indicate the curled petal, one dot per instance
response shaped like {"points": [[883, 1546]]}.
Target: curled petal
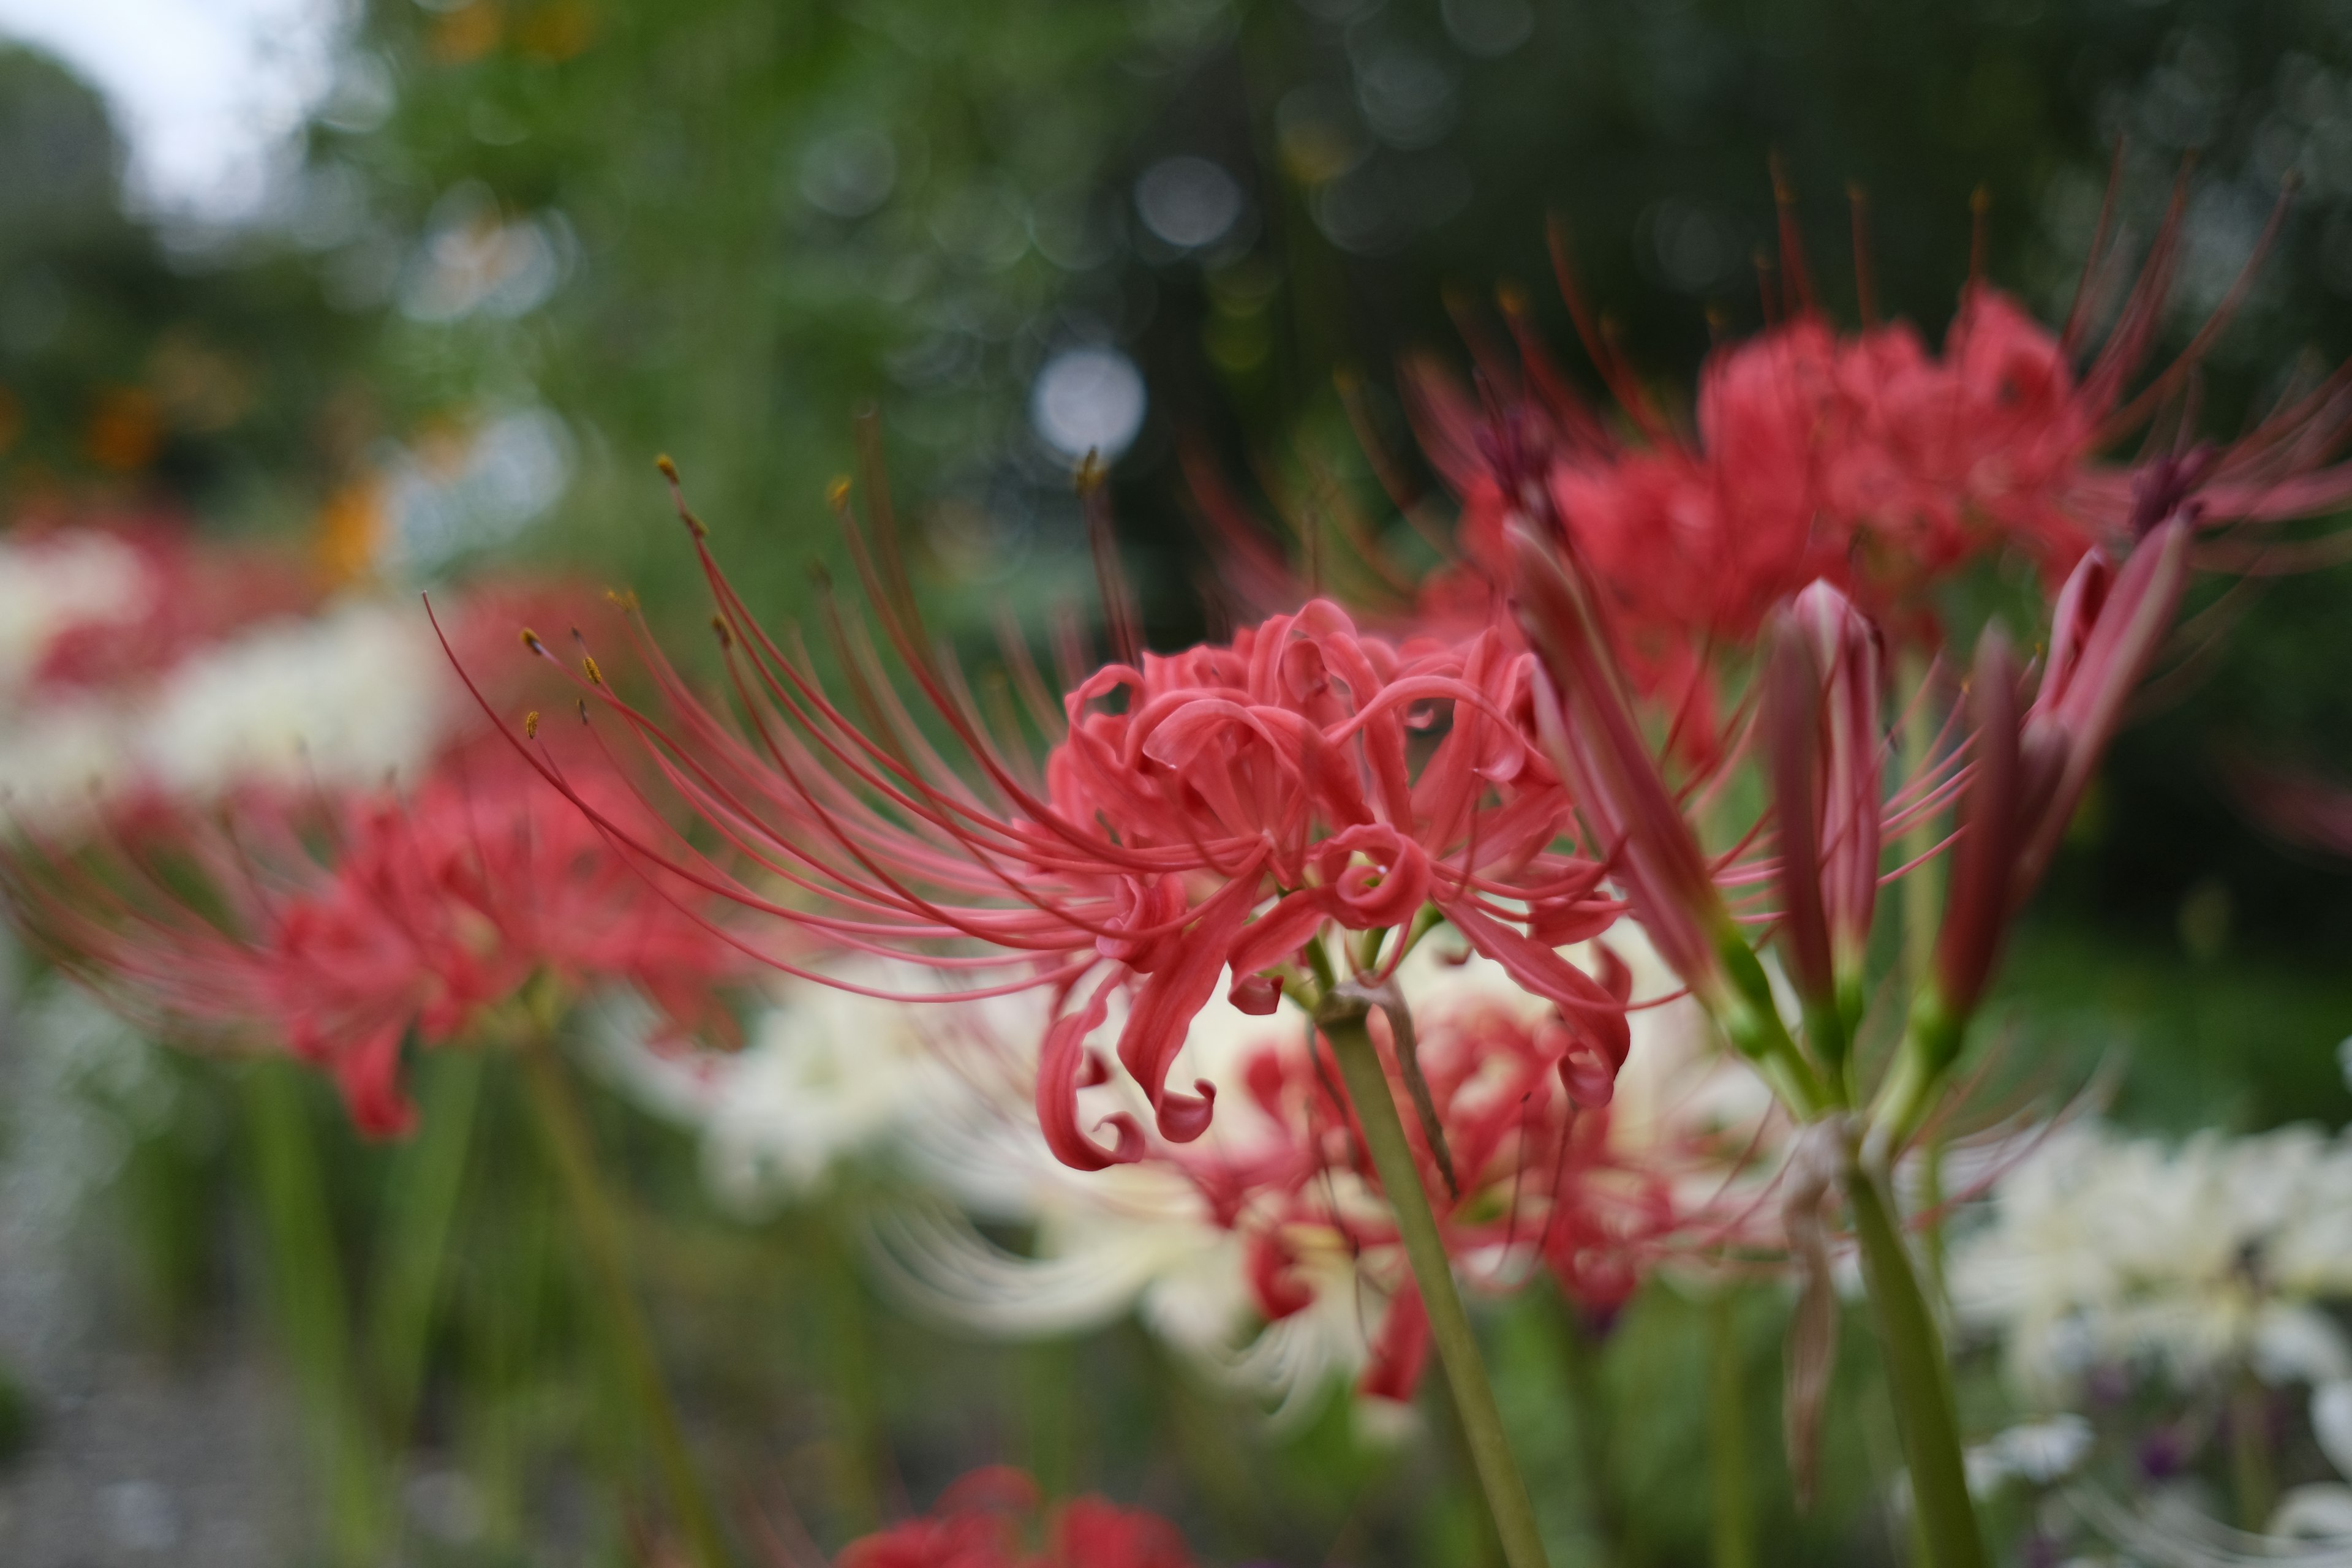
{"points": [[1146, 907], [1543, 971], [1163, 1013], [368, 1072], [1256, 994], [1394, 1370], [1277, 935], [1386, 887], [1274, 1280], [1062, 1069]]}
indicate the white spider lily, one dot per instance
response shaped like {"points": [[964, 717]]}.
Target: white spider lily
{"points": [[2102, 1249]]}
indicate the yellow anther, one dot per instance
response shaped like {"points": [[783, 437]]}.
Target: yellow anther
{"points": [[530, 725], [837, 493], [588, 664], [530, 640], [719, 624]]}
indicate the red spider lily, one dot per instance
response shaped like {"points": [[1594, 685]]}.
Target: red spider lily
{"points": [[1825, 746], [1865, 460], [2031, 769], [1522, 1172], [977, 1523], [2027, 774], [335, 929], [1588, 724], [1821, 729], [1211, 811]]}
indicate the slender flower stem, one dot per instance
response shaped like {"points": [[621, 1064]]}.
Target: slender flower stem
{"points": [[1731, 1520], [857, 1472], [1343, 1023], [1922, 886], [313, 1311], [2251, 1476], [1485, 1549], [1922, 896], [430, 1173], [1921, 1381], [597, 1222], [1581, 1350]]}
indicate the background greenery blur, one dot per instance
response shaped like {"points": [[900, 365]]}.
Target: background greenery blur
{"points": [[528, 244]]}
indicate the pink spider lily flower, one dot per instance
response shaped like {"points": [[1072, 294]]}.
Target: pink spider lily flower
{"points": [[1523, 1172], [1824, 748], [2028, 773], [1587, 721], [1820, 720], [1867, 460], [978, 1523], [1210, 813], [338, 928]]}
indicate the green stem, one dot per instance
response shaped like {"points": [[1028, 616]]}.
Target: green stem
{"points": [[2251, 1475], [1449, 1325], [1919, 1380], [1931, 1234], [597, 1224], [1732, 1521], [1486, 1545], [1582, 1356], [1921, 887], [426, 1176], [1049, 1377], [858, 1474], [313, 1314]]}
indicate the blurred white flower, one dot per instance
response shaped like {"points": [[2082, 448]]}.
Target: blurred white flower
{"points": [[2036, 1452], [54, 585], [358, 693], [2196, 1260], [827, 1076], [342, 700]]}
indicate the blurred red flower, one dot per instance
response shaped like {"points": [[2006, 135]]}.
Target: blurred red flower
{"points": [[978, 1523], [337, 925]]}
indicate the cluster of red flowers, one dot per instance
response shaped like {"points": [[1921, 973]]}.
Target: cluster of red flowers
{"points": [[340, 925], [977, 1523], [1857, 459], [1862, 458], [1518, 1171]]}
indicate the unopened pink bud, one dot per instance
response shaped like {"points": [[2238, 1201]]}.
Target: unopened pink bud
{"points": [[1984, 862]]}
